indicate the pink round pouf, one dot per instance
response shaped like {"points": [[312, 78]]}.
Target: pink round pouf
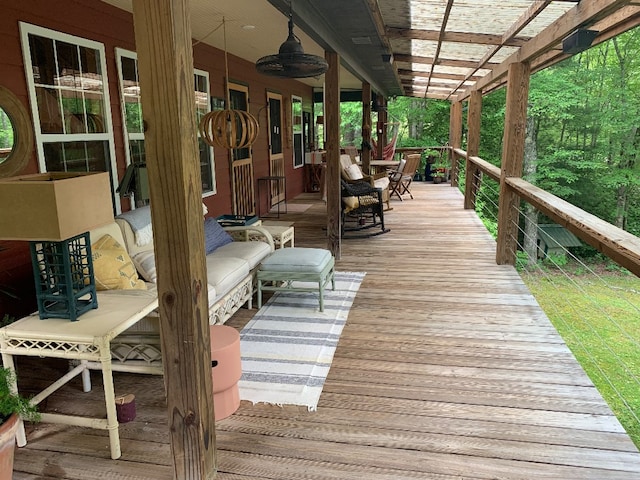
{"points": [[225, 350]]}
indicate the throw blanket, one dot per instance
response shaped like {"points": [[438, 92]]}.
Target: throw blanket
{"points": [[140, 222]]}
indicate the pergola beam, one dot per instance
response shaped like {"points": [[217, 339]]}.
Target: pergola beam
{"points": [[456, 37]]}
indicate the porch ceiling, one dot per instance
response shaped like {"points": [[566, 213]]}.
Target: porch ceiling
{"points": [[440, 48]]}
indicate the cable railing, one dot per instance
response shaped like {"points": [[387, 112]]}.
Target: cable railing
{"points": [[601, 321]]}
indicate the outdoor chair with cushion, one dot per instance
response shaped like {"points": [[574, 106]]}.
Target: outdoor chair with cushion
{"points": [[362, 209], [352, 173]]}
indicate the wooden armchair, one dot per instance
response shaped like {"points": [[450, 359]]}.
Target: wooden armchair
{"points": [[352, 173], [362, 209]]}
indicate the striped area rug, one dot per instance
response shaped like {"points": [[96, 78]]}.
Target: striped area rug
{"points": [[288, 346]]}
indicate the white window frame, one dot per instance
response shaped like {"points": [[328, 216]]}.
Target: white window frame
{"points": [[120, 53], [27, 29], [296, 99]]}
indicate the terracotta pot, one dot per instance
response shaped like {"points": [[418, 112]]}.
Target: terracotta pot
{"points": [[7, 446]]}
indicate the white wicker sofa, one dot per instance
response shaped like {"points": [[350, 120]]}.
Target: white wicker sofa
{"points": [[231, 270]]}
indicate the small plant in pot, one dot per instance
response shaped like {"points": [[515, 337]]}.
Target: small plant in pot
{"points": [[439, 176], [12, 406]]}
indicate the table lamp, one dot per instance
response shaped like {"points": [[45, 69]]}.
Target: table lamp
{"points": [[54, 212]]}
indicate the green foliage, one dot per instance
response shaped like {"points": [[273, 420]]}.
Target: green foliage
{"points": [[6, 131], [7, 320], [11, 403], [554, 260], [522, 261], [586, 112], [423, 122]]}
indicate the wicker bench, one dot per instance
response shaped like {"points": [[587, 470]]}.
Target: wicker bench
{"points": [[288, 265]]}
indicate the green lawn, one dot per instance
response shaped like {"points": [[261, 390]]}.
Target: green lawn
{"points": [[599, 319]]}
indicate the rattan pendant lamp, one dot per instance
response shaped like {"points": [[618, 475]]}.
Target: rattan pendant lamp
{"points": [[291, 61], [229, 128]]}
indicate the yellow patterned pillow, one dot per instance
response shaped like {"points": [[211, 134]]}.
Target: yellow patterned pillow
{"points": [[112, 266]]}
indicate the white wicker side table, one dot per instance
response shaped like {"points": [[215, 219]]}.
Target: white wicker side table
{"points": [[87, 340], [281, 234]]}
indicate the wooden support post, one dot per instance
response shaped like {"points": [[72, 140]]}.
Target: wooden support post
{"points": [[365, 155], [472, 182], [455, 139], [163, 42], [332, 147], [512, 160], [381, 127]]}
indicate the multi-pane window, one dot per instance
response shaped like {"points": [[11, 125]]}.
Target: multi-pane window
{"points": [[297, 132], [69, 96], [133, 123]]}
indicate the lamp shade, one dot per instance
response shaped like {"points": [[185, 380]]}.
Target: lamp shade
{"points": [[54, 206]]}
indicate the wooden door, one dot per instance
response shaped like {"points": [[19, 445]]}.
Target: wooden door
{"points": [[241, 160], [276, 157]]}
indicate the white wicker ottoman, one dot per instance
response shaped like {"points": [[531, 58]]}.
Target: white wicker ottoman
{"points": [[287, 265]]}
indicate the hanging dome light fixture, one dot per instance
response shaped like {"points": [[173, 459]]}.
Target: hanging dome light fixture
{"points": [[291, 61], [228, 128]]}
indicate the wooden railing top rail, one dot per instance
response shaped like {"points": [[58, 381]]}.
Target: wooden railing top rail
{"points": [[621, 246], [483, 165], [486, 167]]}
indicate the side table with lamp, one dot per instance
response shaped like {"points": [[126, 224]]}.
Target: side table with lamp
{"points": [[54, 212]]}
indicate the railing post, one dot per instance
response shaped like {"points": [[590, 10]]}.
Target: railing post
{"points": [[455, 139], [472, 182], [512, 161]]}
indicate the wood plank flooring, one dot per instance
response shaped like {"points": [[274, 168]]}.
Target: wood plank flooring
{"points": [[447, 369]]}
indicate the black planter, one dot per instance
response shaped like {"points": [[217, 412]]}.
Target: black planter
{"points": [[427, 173]]}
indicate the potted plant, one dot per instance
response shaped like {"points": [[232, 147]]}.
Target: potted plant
{"points": [[439, 176], [12, 407]]}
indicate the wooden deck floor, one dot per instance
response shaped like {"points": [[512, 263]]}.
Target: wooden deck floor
{"points": [[447, 369]]}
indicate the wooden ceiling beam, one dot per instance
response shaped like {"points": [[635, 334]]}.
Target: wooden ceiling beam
{"points": [[447, 62], [423, 83], [449, 76], [422, 93], [456, 37]]}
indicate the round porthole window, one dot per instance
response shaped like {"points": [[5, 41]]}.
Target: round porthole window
{"points": [[16, 134]]}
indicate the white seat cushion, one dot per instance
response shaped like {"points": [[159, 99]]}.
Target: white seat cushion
{"points": [[224, 273], [213, 295], [310, 260], [353, 172], [381, 183], [251, 252]]}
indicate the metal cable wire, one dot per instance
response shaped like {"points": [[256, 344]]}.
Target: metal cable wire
{"points": [[578, 341]]}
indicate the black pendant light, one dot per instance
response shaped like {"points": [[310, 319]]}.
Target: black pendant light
{"points": [[291, 61]]}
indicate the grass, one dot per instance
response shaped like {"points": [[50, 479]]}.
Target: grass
{"points": [[598, 317]]}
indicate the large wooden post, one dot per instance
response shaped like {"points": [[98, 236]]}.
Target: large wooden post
{"points": [[332, 147], [163, 43], [455, 139], [365, 155], [472, 182], [512, 160], [381, 127]]}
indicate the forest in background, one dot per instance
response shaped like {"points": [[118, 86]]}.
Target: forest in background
{"points": [[582, 131]]}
